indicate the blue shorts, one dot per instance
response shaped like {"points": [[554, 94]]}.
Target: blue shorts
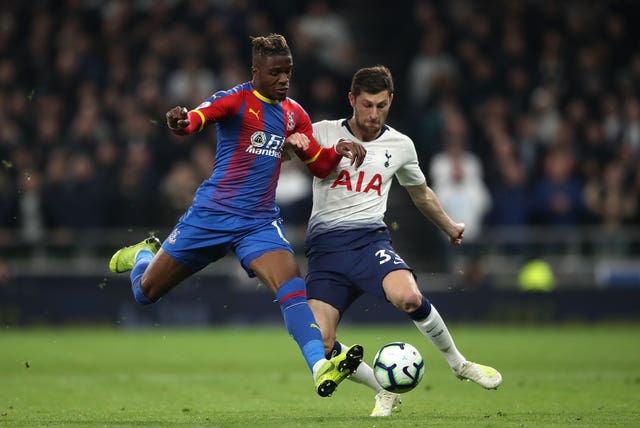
{"points": [[249, 238], [340, 277]]}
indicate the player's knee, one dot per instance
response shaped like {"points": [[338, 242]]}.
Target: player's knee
{"points": [[408, 301], [146, 293]]}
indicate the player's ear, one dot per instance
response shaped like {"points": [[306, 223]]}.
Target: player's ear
{"points": [[352, 99]]}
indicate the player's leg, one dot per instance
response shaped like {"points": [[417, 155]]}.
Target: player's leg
{"points": [[266, 253], [279, 271], [402, 291], [153, 271], [386, 402], [328, 318]]}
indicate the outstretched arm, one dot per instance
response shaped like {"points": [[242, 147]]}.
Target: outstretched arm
{"points": [[427, 202], [183, 122], [321, 161]]}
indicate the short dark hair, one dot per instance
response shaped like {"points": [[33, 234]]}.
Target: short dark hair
{"points": [[273, 44], [372, 80]]}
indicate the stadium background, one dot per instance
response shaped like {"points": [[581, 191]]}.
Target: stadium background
{"points": [[525, 115]]}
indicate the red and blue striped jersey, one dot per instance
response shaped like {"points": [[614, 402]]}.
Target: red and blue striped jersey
{"points": [[251, 130]]}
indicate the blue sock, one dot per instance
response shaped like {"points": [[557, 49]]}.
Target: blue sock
{"points": [[422, 312], [298, 318], [143, 258]]}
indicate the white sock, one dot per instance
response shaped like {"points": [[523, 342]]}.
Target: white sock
{"points": [[364, 375], [435, 329], [316, 366]]}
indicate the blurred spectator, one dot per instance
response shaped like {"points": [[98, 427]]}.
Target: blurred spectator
{"points": [[189, 81], [538, 96], [546, 115], [455, 134], [293, 194], [30, 209], [85, 204], [432, 70], [330, 36], [327, 100], [465, 199], [55, 193], [510, 196], [177, 189], [631, 127], [458, 181], [557, 194], [610, 201], [138, 182]]}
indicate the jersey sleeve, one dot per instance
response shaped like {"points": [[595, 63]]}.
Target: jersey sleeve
{"points": [[410, 174], [218, 107], [321, 161]]}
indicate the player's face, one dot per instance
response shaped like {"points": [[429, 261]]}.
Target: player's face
{"points": [[271, 75], [370, 113]]}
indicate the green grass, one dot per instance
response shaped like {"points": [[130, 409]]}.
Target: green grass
{"points": [[555, 376]]}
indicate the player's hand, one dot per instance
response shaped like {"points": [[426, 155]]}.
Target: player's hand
{"points": [[298, 140], [456, 235], [177, 118], [354, 151]]}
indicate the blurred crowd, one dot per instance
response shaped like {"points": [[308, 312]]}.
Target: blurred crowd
{"points": [[522, 112]]}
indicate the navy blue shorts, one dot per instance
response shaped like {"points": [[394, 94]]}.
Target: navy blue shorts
{"points": [[249, 238], [340, 277]]}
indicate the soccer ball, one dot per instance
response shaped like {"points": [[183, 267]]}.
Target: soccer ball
{"points": [[398, 367]]}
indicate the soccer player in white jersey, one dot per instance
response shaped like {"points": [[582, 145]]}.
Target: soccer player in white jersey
{"points": [[348, 244]]}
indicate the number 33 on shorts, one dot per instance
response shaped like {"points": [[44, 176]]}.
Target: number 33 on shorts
{"points": [[386, 256]]}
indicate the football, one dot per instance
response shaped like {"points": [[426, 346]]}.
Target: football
{"points": [[398, 367]]}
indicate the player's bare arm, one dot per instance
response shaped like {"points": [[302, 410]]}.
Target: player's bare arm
{"points": [[352, 150], [427, 202], [177, 118]]}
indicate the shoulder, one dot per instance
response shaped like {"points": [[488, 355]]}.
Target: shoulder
{"points": [[291, 105], [393, 134], [328, 125], [225, 96]]}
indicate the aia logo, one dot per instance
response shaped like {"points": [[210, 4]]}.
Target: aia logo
{"points": [[361, 183]]}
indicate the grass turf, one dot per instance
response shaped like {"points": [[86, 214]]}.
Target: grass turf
{"points": [[555, 376]]}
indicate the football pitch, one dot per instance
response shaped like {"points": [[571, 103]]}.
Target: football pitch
{"points": [[577, 375]]}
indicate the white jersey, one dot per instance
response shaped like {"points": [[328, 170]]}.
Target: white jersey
{"points": [[348, 199]]}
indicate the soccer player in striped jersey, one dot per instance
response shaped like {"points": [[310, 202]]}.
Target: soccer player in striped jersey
{"points": [[235, 209], [348, 245]]}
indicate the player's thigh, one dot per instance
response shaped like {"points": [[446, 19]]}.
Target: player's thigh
{"points": [[376, 262], [275, 267], [195, 247], [265, 252], [163, 274], [329, 279]]}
